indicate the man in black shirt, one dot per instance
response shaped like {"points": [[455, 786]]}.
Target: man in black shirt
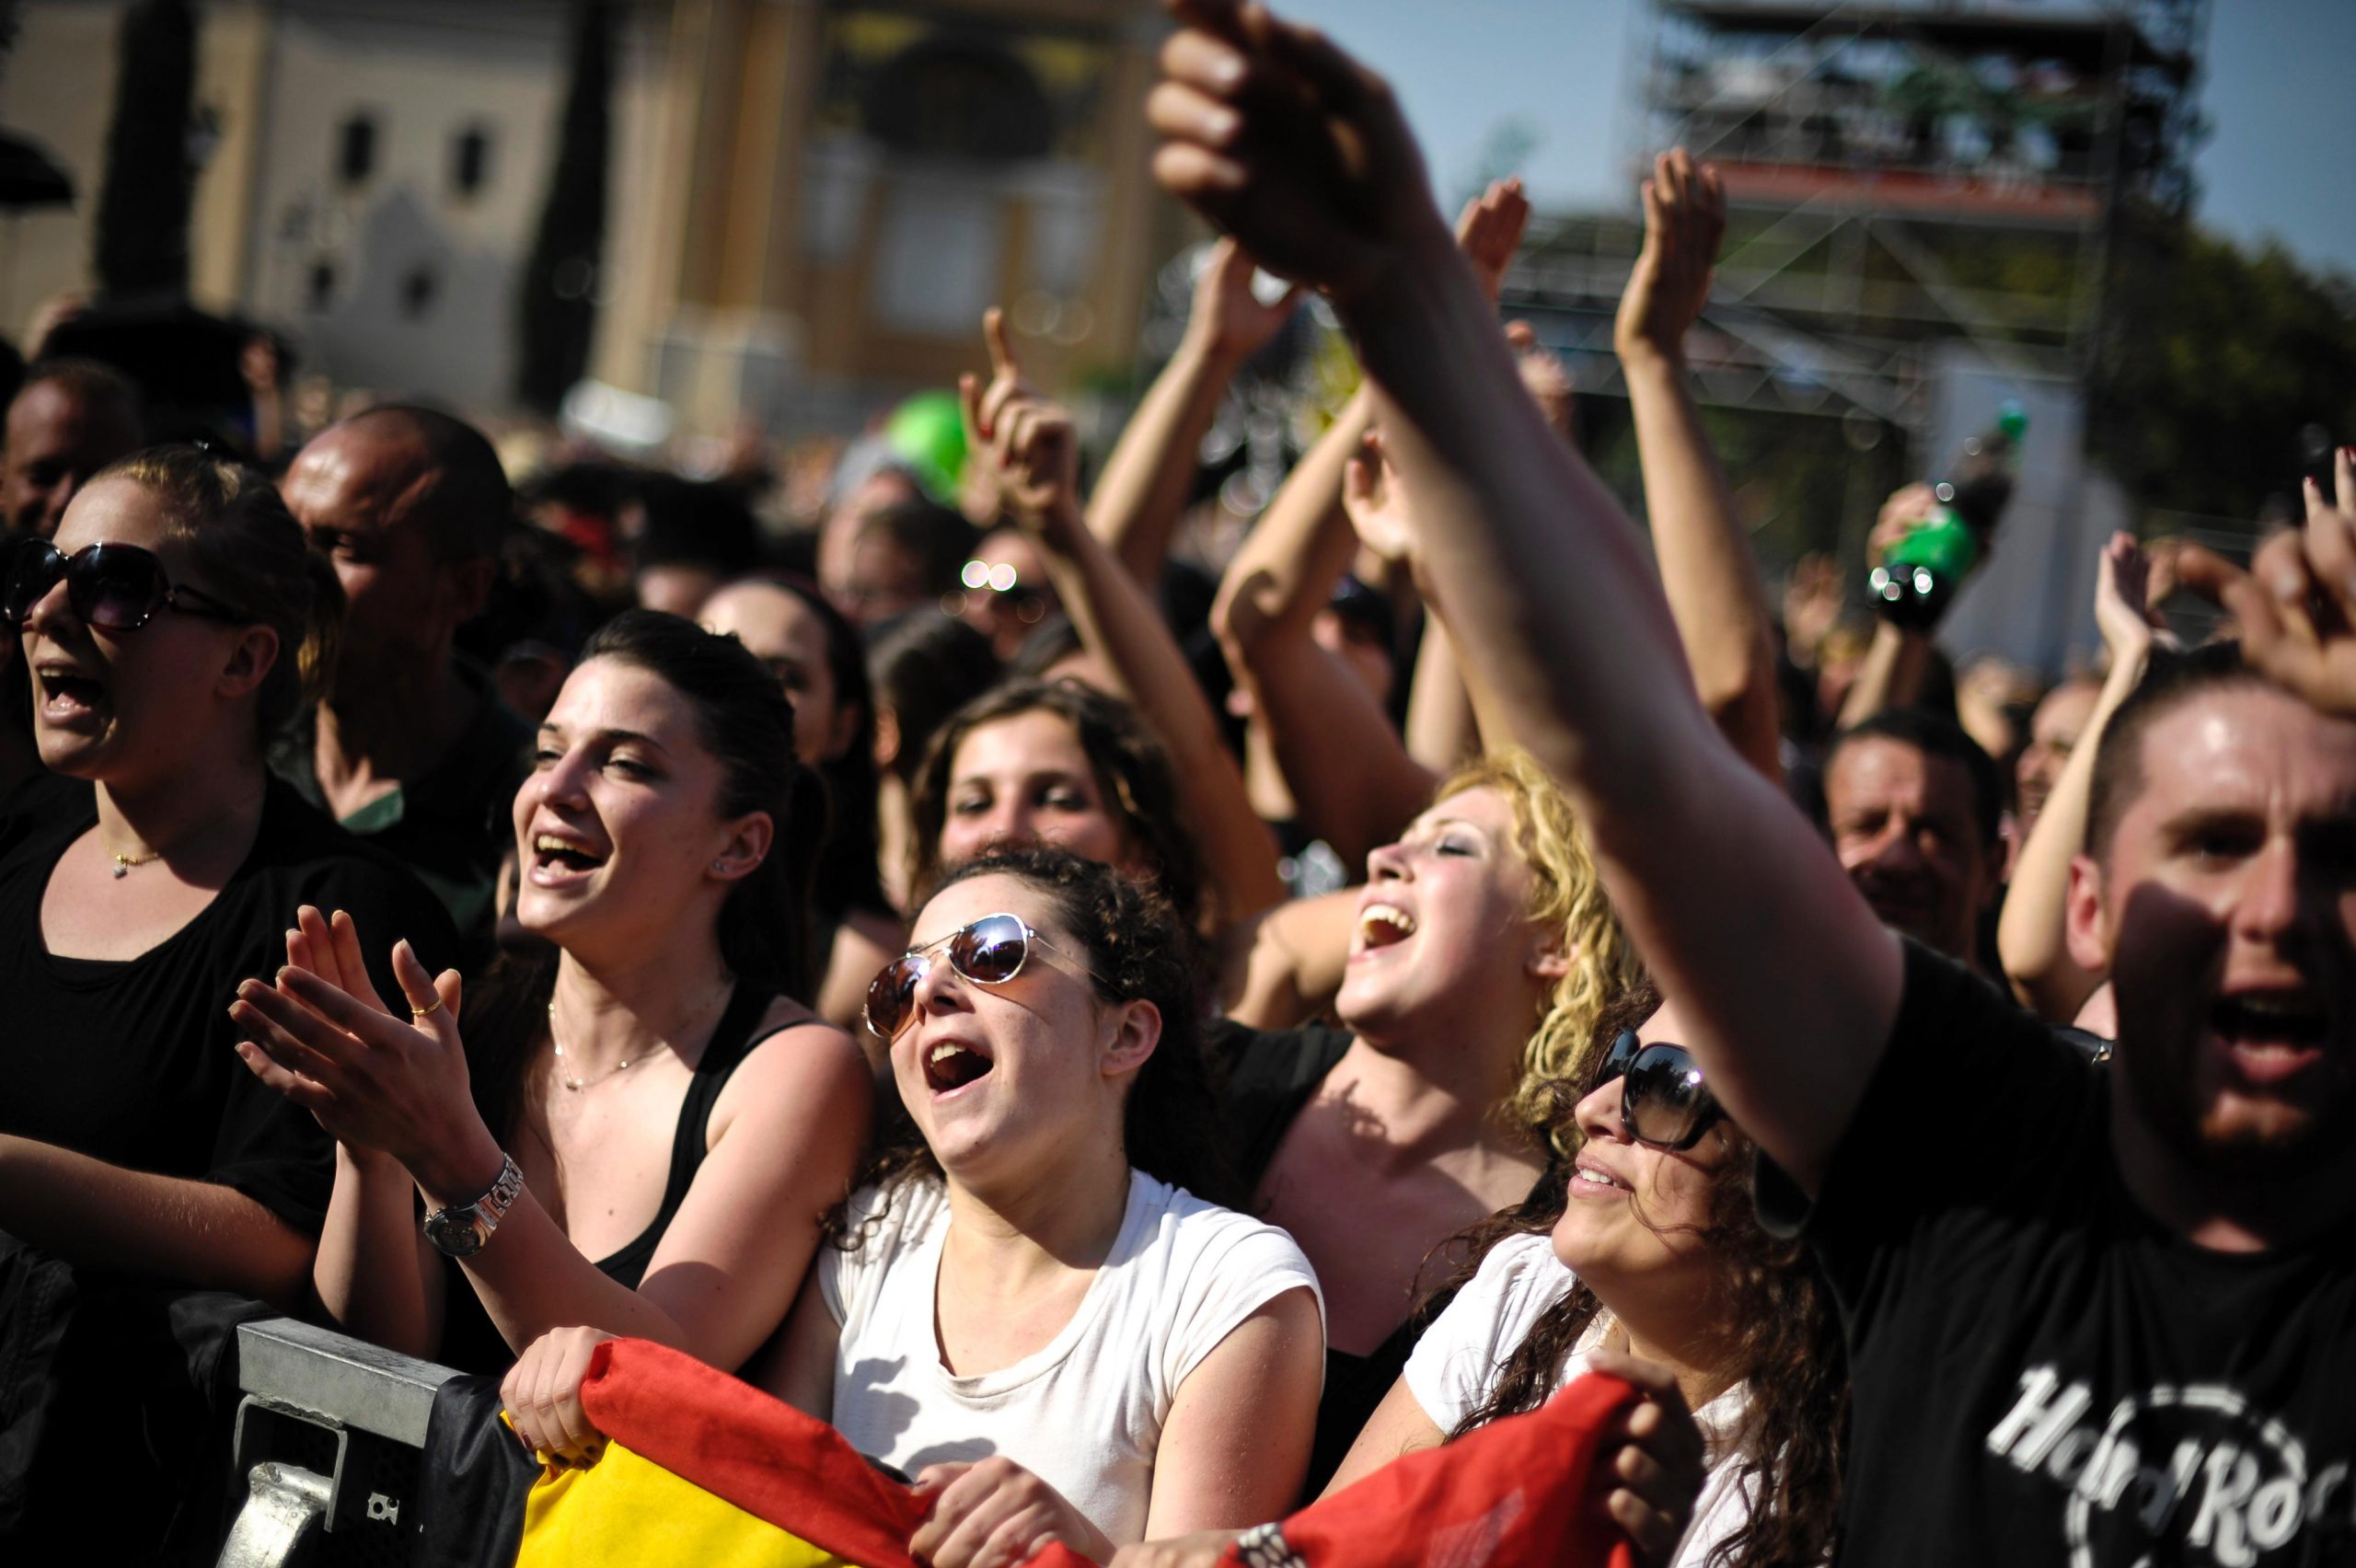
{"points": [[412, 749], [2099, 1314]]}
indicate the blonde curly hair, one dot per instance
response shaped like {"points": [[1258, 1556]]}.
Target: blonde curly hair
{"points": [[1566, 894]]}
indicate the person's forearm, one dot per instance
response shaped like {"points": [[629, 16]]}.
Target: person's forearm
{"points": [[1142, 491], [2032, 936], [1891, 675], [1116, 618], [369, 1274], [91, 1213], [1442, 731], [1727, 891], [1707, 571], [1286, 570]]}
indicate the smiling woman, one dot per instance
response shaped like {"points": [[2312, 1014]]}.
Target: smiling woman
{"points": [[655, 1128], [1024, 1307]]}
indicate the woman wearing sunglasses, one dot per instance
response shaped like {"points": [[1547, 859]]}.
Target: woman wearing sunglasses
{"points": [[1650, 1247], [1025, 1310], [168, 632], [642, 1135]]}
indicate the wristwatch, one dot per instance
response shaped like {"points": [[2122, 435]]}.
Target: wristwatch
{"points": [[461, 1230]]}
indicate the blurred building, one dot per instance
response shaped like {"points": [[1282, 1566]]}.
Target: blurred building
{"points": [[810, 200]]}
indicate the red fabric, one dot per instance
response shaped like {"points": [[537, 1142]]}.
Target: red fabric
{"points": [[1513, 1494], [757, 1452]]}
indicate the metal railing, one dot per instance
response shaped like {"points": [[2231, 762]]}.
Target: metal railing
{"points": [[330, 1436]]}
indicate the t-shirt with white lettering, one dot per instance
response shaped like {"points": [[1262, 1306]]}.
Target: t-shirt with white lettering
{"points": [[1084, 1413], [2044, 1375], [1455, 1367]]}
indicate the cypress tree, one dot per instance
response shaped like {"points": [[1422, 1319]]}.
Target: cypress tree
{"points": [[142, 229], [556, 312]]}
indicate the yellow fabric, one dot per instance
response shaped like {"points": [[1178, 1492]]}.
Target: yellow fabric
{"points": [[627, 1509]]}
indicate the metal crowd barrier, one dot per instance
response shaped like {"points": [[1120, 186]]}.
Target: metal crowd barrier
{"points": [[331, 1436]]}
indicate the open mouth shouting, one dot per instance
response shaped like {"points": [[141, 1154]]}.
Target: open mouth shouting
{"points": [[2273, 1034], [1592, 1179], [1382, 925], [561, 859], [69, 694], [952, 1065]]}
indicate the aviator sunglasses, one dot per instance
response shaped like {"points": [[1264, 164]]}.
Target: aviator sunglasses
{"points": [[111, 587], [1662, 1102], [989, 951]]}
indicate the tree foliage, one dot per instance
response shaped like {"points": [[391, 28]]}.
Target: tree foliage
{"points": [[557, 312], [142, 229], [2214, 359]]}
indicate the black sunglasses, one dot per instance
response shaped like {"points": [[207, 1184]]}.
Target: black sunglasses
{"points": [[112, 587], [1663, 1103], [989, 951]]}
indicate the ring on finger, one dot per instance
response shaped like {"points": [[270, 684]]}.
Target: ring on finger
{"points": [[428, 1010]]}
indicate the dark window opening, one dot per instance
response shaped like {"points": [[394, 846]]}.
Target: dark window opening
{"points": [[322, 285], [470, 161], [418, 291], [356, 149]]}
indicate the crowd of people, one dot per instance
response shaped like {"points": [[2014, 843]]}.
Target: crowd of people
{"points": [[888, 960]]}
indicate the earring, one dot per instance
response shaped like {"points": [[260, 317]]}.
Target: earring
{"points": [[720, 865]]}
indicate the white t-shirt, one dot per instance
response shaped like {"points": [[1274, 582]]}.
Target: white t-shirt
{"points": [[1083, 1413], [1456, 1364]]}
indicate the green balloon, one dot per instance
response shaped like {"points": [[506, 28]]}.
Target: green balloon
{"points": [[928, 433]]}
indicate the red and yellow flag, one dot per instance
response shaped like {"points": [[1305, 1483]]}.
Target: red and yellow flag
{"points": [[701, 1471]]}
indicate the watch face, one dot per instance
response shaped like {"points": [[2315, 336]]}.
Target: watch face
{"points": [[460, 1233]]}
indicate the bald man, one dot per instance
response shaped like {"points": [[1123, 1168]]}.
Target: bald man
{"points": [[69, 420], [411, 749]]}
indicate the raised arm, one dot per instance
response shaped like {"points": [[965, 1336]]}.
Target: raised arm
{"points": [[1350, 772], [1899, 657], [2032, 938], [1033, 451], [1706, 567], [1791, 983], [1142, 489]]}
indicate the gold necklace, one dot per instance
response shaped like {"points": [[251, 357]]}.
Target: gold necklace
{"points": [[577, 1085], [123, 863]]}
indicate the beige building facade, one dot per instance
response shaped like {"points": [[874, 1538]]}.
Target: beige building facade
{"points": [[810, 202]]}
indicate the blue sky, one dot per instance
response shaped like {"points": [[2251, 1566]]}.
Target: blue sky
{"points": [[2277, 94]]}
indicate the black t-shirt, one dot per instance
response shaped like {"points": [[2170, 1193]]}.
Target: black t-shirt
{"points": [[2044, 1374], [133, 1062], [1271, 1075]]}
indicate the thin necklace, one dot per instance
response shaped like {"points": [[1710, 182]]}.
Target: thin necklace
{"points": [[124, 864], [577, 1085]]}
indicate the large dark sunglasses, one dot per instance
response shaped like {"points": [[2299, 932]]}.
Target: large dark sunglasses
{"points": [[1663, 1103], [990, 952], [112, 587]]}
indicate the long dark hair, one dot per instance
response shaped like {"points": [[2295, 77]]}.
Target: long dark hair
{"points": [[1134, 778], [1787, 1344], [847, 877], [1136, 950], [744, 720]]}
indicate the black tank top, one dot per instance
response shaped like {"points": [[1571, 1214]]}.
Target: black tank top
{"points": [[471, 1342]]}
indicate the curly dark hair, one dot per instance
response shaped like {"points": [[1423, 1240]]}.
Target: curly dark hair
{"points": [[1136, 951], [1132, 776], [1788, 1345]]}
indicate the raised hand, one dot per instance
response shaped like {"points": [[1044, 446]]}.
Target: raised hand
{"points": [[541, 1394], [1685, 220], [1230, 314], [2124, 612], [1548, 378], [1290, 146], [1377, 505], [2294, 609], [1908, 508], [1489, 230], [1025, 446], [1005, 385]]}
